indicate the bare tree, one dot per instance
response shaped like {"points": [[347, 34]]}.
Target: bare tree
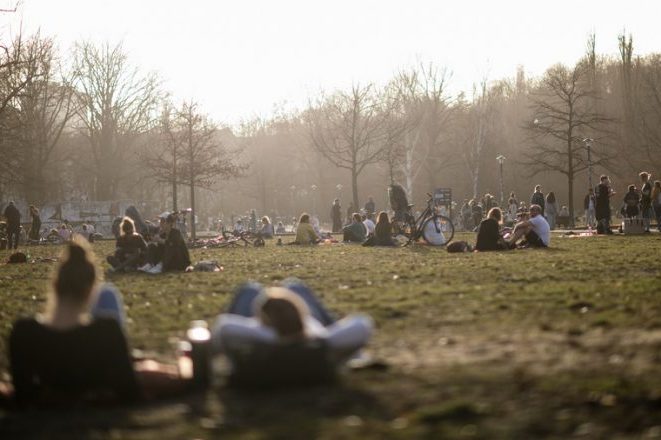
{"points": [[203, 157], [44, 108], [479, 123], [649, 102], [117, 104], [348, 130], [564, 115], [162, 159]]}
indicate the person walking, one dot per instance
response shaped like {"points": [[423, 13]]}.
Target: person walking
{"points": [[13, 217]]}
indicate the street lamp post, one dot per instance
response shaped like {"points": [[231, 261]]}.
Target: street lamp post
{"points": [[588, 146], [293, 190], [314, 199], [339, 191], [501, 161]]}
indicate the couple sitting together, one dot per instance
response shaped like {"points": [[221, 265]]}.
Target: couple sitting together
{"points": [[78, 349], [531, 231], [166, 251]]}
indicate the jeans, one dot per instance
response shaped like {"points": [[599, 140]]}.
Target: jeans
{"points": [[12, 237], [108, 304], [589, 217], [244, 297]]}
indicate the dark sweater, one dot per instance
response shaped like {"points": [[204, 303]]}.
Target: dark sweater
{"points": [[58, 366], [488, 236], [175, 254], [131, 244]]}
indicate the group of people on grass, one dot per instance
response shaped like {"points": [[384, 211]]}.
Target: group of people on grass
{"points": [[77, 350]]}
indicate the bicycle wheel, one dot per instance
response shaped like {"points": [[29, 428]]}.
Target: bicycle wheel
{"points": [[438, 230]]}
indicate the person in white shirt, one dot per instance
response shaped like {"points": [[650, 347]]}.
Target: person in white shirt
{"points": [[535, 230], [369, 224], [261, 317], [433, 233]]}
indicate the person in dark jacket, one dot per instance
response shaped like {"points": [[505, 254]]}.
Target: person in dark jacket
{"points": [[168, 252], [336, 215], [35, 228], [488, 233], [77, 350], [646, 210], [382, 232], [13, 217], [603, 209], [538, 198], [131, 249], [631, 202]]}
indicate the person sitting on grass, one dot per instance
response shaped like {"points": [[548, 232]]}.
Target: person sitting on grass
{"points": [[488, 233], [77, 350], [382, 232], [167, 252], [266, 230], [305, 233], [535, 230], [356, 232], [280, 229], [368, 221], [64, 232], [130, 249], [259, 320]]}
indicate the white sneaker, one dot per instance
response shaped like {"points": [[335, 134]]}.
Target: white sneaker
{"points": [[156, 269], [145, 268]]}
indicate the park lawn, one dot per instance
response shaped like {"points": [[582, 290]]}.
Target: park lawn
{"points": [[524, 344]]}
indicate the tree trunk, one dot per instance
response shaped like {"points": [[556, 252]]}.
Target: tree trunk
{"points": [[174, 194], [192, 206], [354, 188], [570, 179]]}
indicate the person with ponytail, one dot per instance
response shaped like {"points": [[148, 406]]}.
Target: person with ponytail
{"points": [[77, 350]]}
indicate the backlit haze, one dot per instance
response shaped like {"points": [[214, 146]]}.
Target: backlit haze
{"points": [[245, 58]]}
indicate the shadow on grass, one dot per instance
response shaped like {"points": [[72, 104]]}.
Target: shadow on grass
{"points": [[298, 412]]}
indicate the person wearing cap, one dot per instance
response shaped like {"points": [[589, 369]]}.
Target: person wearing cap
{"points": [[13, 217], [535, 230]]}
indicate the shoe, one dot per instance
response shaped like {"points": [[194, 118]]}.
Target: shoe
{"points": [[156, 269], [145, 268]]}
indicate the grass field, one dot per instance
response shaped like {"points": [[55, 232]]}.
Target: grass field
{"points": [[526, 344]]}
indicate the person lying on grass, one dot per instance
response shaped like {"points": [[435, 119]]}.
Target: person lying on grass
{"points": [[259, 318], [77, 350], [305, 233], [130, 250], [534, 231], [488, 233]]}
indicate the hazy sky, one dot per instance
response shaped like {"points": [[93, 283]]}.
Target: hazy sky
{"points": [[241, 58]]}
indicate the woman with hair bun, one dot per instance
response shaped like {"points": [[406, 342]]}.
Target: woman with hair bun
{"points": [[77, 350]]}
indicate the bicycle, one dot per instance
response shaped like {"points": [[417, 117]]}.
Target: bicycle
{"points": [[434, 228]]}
